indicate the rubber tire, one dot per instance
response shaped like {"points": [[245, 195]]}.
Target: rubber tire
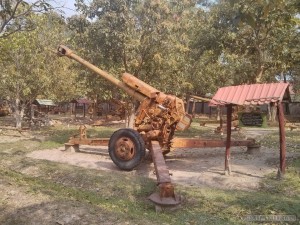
{"points": [[138, 142]]}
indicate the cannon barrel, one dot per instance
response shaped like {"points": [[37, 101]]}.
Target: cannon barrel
{"points": [[65, 51], [142, 87]]}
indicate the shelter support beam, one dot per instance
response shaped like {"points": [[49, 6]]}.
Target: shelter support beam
{"points": [[228, 140], [282, 140]]}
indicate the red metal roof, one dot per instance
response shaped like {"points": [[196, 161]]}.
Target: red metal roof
{"points": [[253, 94]]}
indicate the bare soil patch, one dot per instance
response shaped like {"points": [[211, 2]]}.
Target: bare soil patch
{"points": [[191, 167]]}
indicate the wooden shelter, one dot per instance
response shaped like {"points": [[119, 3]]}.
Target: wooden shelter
{"points": [[82, 102], [254, 94], [44, 104]]}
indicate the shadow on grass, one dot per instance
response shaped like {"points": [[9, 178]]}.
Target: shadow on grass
{"points": [[63, 212], [85, 196], [264, 203]]}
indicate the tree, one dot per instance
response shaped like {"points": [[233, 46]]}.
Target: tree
{"points": [[31, 69], [15, 15], [144, 38], [259, 34]]}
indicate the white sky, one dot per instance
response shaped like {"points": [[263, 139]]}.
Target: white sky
{"points": [[68, 6], [65, 5]]}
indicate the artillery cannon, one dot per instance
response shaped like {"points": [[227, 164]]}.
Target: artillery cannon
{"points": [[157, 118]]}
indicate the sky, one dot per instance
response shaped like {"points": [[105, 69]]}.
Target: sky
{"points": [[68, 6]]}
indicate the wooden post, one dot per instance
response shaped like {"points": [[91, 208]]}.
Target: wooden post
{"points": [[202, 107], [193, 109], [187, 103], [228, 140], [83, 110], [281, 170]]}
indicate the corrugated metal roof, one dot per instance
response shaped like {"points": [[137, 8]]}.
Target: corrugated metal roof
{"points": [[47, 102], [253, 94]]}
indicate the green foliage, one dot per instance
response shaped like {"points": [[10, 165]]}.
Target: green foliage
{"points": [[15, 15], [171, 45], [31, 69], [259, 34], [178, 47], [145, 38]]}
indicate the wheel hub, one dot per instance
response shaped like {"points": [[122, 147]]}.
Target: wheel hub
{"points": [[125, 149]]}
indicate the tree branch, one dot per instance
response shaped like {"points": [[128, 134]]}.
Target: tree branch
{"points": [[11, 16]]}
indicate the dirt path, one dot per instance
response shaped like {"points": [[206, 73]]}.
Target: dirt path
{"points": [[192, 167], [35, 191]]}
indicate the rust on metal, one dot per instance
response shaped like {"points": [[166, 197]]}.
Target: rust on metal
{"points": [[206, 143], [157, 118], [161, 170], [89, 141], [82, 130], [125, 149], [166, 195], [83, 140], [140, 86], [158, 115], [65, 51]]}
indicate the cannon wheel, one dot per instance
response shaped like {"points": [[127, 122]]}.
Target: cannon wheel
{"points": [[126, 148]]}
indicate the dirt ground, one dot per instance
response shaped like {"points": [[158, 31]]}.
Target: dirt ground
{"points": [[192, 167], [23, 201]]}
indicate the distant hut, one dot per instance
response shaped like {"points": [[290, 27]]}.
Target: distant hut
{"points": [[44, 105], [81, 104]]}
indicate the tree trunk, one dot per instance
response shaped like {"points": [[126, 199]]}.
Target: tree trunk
{"points": [[193, 109], [95, 111], [130, 112], [131, 118], [18, 113], [273, 112], [269, 112], [259, 74], [218, 113], [187, 103], [261, 66], [31, 111]]}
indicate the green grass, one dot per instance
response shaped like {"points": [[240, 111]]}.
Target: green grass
{"points": [[123, 196], [57, 136], [290, 185], [292, 140]]}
